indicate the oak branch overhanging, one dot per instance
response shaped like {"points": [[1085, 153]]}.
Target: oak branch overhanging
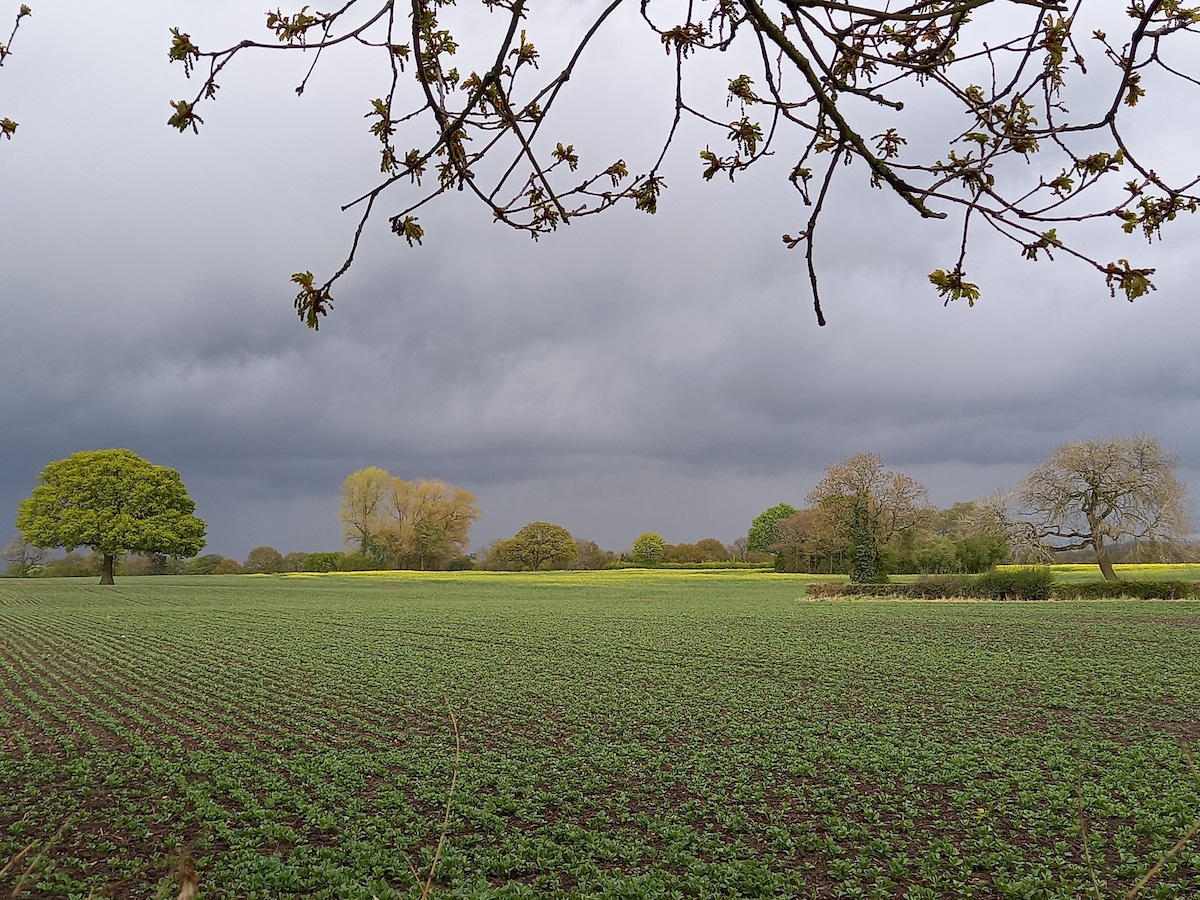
{"points": [[819, 65]]}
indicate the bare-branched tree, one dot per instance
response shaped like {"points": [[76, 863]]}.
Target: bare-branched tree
{"points": [[22, 558], [1093, 494], [866, 506], [832, 84]]}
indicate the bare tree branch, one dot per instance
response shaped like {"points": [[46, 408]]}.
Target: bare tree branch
{"points": [[823, 62]]}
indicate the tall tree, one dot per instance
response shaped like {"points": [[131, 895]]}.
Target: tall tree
{"points": [[540, 545], [361, 511], [978, 533], [649, 549], [589, 555], [869, 506], [1092, 494], [114, 502], [263, 561], [405, 524], [983, 83], [22, 558], [426, 523], [794, 542], [762, 537]]}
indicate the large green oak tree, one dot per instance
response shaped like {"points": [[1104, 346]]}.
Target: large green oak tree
{"points": [[114, 502]]}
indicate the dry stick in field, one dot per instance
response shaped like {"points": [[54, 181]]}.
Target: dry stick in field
{"points": [[189, 884], [437, 853], [33, 863], [16, 859], [183, 863], [1167, 856], [1178, 845], [1083, 836]]}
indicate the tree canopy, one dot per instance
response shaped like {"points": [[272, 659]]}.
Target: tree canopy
{"points": [[649, 549], [406, 524], [539, 545], [761, 536], [867, 507], [114, 502], [264, 560], [941, 105], [1094, 493]]}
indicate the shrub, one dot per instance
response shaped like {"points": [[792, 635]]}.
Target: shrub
{"points": [[461, 564], [355, 562], [1032, 583], [946, 586], [1015, 583], [204, 565], [228, 566], [321, 562], [853, 589]]}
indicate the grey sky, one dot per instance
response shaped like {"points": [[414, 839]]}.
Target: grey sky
{"points": [[626, 374]]}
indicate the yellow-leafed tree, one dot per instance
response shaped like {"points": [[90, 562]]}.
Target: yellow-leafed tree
{"points": [[406, 524]]}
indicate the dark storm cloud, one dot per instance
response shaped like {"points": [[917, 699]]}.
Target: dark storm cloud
{"points": [[628, 373]]}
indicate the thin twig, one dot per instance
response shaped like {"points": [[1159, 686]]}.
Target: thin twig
{"points": [[437, 853], [33, 863], [1164, 859]]}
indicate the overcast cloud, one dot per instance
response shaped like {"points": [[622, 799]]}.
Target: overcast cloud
{"points": [[626, 374]]}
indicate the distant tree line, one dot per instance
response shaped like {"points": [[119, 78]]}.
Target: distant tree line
{"points": [[22, 560], [1108, 499], [1112, 500]]}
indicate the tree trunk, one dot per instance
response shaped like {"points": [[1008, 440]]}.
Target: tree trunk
{"points": [[106, 571], [1106, 567]]}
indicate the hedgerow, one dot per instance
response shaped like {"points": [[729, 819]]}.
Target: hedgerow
{"points": [[1032, 583], [1140, 590]]}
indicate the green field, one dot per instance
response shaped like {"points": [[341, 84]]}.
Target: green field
{"points": [[623, 735]]}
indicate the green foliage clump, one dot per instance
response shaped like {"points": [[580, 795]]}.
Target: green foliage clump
{"points": [[357, 562], [944, 587], [322, 562], [856, 589], [73, 565], [114, 502], [866, 559], [203, 565], [229, 566], [649, 549], [264, 561], [761, 536], [537, 546], [1016, 583], [1024, 583]]}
